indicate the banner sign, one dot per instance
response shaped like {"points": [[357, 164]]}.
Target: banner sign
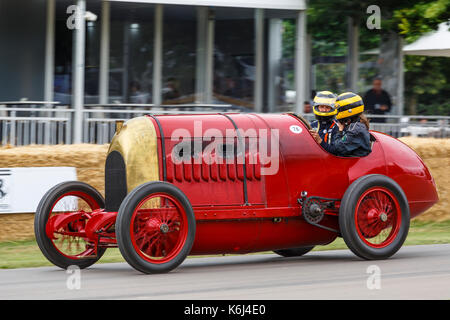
{"points": [[21, 189]]}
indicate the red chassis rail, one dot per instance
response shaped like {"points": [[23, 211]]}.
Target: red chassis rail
{"points": [[97, 227]]}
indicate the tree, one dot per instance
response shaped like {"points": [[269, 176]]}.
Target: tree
{"points": [[426, 78], [327, 20], [421, 18]]}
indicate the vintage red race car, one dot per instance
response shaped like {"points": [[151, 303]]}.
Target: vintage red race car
{"points": [[179, 185]]}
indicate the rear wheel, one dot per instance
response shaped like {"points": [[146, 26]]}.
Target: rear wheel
{"points": [[374, 217], [60, 222], [295, 252], [155, 227]]}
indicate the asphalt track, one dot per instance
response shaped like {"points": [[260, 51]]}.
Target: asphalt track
{"points": [[415, 272]]}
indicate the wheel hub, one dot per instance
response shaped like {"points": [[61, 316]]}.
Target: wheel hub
{"points": [[313, 212], [374, 215], [164, 228]]}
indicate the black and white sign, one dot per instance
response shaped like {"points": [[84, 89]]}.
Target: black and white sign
{"points": [[21, 189], [5, 179]]}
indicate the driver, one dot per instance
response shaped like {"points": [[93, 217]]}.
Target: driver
{"points": [[324, 111]]}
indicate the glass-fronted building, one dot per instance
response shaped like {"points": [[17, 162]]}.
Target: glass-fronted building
{"points": [[80, 52]]}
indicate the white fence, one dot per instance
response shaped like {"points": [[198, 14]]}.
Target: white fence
{"points": [[41, 123]]}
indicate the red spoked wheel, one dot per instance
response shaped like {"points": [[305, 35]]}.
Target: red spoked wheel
{"points": [[60, 223], [374, 217], [378, 217], [155, 227], [159, 234]]}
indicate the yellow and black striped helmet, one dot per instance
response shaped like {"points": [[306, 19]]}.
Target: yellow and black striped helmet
{"points": [[324, 98], [349, 104]]}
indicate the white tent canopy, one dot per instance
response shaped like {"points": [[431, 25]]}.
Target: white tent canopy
{"points": [[436, 43]]}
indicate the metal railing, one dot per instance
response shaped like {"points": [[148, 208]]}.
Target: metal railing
{"points": [[41, 123], [401, 126], [417, 126], [24, 123], [99, 120], [34, 122]]}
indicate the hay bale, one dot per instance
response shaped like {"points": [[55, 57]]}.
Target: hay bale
{"points": [[428, 148], [436, 155], [14, 227], [89, 161]]}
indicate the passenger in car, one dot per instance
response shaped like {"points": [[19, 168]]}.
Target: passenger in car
{"points": [[352, 138], [325, 111]]}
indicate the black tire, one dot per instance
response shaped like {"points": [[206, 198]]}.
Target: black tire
{"points": [[295, 252], [123, 226], [42, 215], [352, 233]]}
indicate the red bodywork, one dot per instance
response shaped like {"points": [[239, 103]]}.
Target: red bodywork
{"points": [[268, 216], [226, 224]]}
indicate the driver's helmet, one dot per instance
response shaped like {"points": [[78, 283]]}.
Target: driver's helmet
{"points": [[324, 98], [349, 106]]}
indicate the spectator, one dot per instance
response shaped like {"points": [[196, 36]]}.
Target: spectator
{"points": [[377, 101], [230, 90], [307, 107], [136, 96], [171, 91]]}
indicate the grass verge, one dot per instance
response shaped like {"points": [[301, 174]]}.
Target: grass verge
{"points": [[25, 254]]}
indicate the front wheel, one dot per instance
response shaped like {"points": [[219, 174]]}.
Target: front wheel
{"points": [[155, 227], [374, 217], [60, 222]]}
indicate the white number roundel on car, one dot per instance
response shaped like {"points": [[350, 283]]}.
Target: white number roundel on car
{"points": [[295, 129]]}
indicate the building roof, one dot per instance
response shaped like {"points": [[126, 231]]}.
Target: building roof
{"points": [[265, 4]]}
